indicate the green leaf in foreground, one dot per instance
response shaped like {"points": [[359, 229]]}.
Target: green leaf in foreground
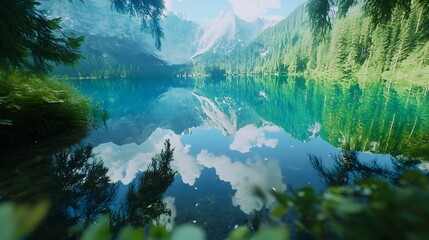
{"points": [[188, 231], [129, 233], [239, 234], [98, 231], [279, 233], [17, 221]]}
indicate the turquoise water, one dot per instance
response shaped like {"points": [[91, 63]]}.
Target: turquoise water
{"points": [[233, 134]]}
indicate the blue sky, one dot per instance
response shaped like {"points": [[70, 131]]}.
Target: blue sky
{"points": [[204, 10]]}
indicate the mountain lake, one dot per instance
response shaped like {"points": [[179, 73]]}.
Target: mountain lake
{"points": [[233, 134]]}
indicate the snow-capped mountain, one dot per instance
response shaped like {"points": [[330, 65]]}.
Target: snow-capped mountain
{"points": [[228, 32], [185, 40]]}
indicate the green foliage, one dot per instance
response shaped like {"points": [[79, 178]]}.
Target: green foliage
{"points": [[33, 108], [368, 210], [379, 11], [99, 116], [30, 40], [150, 12], [98, 231], [373, 208], [344, 6], [16, 221], [239, 233], [320, 21], [272, 233], [185, 231], [131, 233]]}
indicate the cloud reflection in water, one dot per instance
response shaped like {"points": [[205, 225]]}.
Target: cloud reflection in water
{"points": [[250, 136], [244, 176], [125, 161]]}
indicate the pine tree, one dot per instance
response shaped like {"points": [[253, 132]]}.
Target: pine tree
{"points": [[379, 11], [31, 40]]}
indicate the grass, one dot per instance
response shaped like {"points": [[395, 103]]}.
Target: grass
{"points": [[33, 108]]}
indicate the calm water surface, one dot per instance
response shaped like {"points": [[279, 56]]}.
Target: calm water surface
{"points": [[233, 134]]}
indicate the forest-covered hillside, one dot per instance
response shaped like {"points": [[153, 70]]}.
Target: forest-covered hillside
{"points": [[396, 50], [117, 48], [113, 57]]}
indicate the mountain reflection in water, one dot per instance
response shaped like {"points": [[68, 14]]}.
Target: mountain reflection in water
{"points": [[231, 135]]}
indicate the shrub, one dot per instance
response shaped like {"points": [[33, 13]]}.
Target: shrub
{"points": [[34, 107]]}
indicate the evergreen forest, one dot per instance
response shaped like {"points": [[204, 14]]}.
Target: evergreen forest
{"points": [[396, 50]]}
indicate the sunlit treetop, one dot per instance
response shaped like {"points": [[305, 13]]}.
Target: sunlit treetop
{"points": [[30, 40], [321, 12]]}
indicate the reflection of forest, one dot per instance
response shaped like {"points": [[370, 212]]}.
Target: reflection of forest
{"points": [[348, 169], [138, 107], [75, 183], [374, 118]]}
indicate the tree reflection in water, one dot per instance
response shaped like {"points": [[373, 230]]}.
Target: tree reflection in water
{"points": [[74, 181], [144, 203], [347, 168]]}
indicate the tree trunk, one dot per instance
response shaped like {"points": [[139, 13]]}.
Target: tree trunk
{"points": [[391, 127], [408, 97], [412, 130], [401, 45], [424, 55], [418, 20]]}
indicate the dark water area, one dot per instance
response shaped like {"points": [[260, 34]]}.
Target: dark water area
{"points": [[233, 134]]}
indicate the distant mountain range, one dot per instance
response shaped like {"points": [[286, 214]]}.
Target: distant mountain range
{"points": [[226, 33], [116, 46]]}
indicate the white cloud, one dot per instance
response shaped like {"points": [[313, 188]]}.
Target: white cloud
{"points": [[249, 10], [125, 161], [168, 220], [243, 177], [250, 136]]}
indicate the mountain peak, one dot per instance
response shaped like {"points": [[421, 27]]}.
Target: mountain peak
{"points": [[227, 14], [178, 16], [222, 27]]}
